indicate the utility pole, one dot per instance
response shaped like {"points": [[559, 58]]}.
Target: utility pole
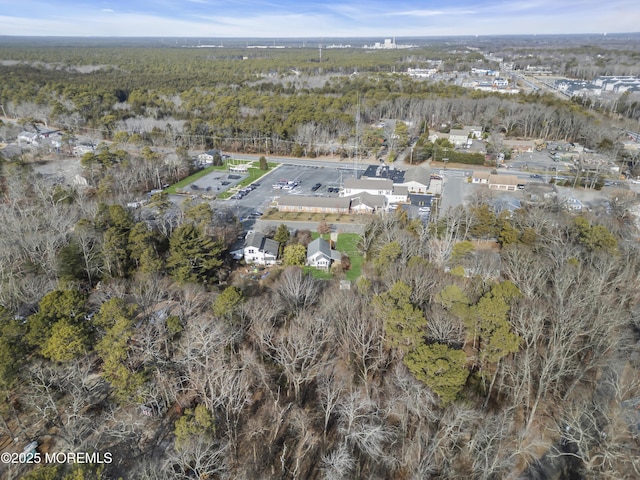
{"points": [[355, 158]]}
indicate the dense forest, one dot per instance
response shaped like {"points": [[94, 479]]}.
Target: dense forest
{"points": [[481, 345], [445, 359], [278, 101]]}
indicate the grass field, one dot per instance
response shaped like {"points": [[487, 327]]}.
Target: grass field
{"points": [[317, 273], [348, 244], [192, 178], [254, 174]]}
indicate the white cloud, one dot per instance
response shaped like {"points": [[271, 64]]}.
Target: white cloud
{"points": [[432, 13], [341, 20]]}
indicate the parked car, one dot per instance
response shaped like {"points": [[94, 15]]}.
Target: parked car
{"points": [[316, 187]]}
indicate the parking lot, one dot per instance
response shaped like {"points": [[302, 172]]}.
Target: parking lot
{"points": [[319, 181], [215, 183], [298, 180]]}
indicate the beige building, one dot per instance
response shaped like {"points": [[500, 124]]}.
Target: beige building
{"points": [[299, 203], [505, 182], [480, 177], [498, 181]]}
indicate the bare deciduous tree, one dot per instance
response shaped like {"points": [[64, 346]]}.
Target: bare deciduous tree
{"points": [[297, 291], [298, 350]]}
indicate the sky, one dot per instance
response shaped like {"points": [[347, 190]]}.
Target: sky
{"points": [[314, 18]]}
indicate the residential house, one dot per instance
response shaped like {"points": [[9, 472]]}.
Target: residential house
{"points": [[399, 194], [260, 250], [417, 179], [506, 204], [480, 177], [367, 203], [208, 157], [574, 205], [30, 138], [498, 181], [321, 255], [459, 137], [475, 131], [463, 137]]}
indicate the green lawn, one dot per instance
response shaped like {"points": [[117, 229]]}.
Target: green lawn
{"points": [[317, 273], [348, 244], [254, 174], [192, 178]]}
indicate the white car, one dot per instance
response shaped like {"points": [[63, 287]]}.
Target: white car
{"points": [[424, 209]]}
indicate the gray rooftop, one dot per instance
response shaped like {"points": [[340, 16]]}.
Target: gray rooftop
{"points": [[364, 198], [368, 184], [258, 240], [319, 245], [420, 174], [306, 201]]}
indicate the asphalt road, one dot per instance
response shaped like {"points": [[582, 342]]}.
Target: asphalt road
{"points": [[306, 174], [456, 189]]}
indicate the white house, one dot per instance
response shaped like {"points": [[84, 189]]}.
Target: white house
{"points": [[384, 187], [208, 157], [30, 138], [459, 136], [354, 186], [399, 194], [320, 255], [367, 203], [260, 250]]}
